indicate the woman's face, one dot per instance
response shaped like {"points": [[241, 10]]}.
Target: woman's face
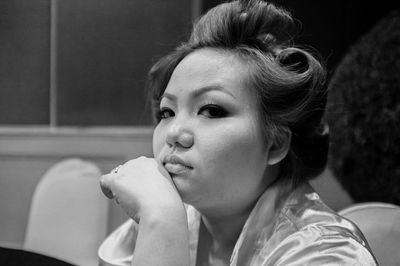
{"points": [[209, 137]]}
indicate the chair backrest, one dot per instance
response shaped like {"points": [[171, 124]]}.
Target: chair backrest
{"points": [[380, 224], [68, 215]]}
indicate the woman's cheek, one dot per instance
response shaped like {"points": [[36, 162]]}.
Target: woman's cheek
{"points": [[158, 141]]}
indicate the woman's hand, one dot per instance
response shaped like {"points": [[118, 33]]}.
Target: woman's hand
{"points": [[146, 192], [141, 187]]}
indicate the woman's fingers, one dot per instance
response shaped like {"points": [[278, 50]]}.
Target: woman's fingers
{"points": [[106, 182], [141, 187], [106, 185]]}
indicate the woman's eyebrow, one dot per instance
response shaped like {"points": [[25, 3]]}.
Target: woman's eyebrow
{"points": [[203, 90], [168, 96], [198, 92]]}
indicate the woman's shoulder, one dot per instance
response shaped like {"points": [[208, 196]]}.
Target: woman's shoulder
{"points": [[323, 244], [299, 229], [310, 231], [318, 245]]}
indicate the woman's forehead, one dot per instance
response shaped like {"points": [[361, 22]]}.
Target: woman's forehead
{"points": [[209, 68]]}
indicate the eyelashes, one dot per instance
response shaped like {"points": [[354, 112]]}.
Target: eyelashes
{"points": [[211, 111], [165, 113]]}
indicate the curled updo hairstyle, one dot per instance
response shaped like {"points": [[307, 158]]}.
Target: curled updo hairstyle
{"points": [[289, 82]]}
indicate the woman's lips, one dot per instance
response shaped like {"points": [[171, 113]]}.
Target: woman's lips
{"points": [[176, 165], [176, 168]]}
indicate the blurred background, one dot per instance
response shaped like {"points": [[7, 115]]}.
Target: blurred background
{"points": [[84, 63], [72, 81]]}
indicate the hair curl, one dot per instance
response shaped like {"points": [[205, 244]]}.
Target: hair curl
{"points": [[289, 81]]}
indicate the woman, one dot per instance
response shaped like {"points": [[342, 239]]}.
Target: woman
{"points": [[238, 112]]}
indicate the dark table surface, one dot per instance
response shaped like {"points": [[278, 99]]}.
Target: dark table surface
{"points": [[14, 257]]}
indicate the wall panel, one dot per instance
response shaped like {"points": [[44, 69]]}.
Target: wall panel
{"points": [[25, 155]]}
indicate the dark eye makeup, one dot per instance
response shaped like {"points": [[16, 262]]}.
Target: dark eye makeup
{"points": [[213, 111], [207, 110], [165, 113]]}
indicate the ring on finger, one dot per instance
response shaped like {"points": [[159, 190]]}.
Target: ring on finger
{"points": [[115, 170]]}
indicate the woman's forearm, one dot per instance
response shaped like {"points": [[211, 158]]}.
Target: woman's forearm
{"points": [[163, 238]]}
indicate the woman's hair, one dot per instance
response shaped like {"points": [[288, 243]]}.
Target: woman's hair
{"points": [[289, 82]]}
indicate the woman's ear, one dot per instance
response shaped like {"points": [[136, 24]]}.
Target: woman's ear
{"points": [[280, 147]]}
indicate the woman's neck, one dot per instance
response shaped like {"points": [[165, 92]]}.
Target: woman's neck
{"points": [[224, 229], [224, 233], [217, 238], [224, 224]]}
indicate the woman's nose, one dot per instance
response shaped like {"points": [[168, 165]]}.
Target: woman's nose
{"points": [[180, 136]]}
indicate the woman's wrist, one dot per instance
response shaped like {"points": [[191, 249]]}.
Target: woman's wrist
{"points": [[160, 212], [164, 230]]}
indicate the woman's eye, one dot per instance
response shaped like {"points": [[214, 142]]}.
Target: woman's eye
{"points": [[166, 113], [213, 111]]}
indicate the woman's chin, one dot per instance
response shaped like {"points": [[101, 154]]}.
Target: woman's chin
{"points": [[184, 189]]}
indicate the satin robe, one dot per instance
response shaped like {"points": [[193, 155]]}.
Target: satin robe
{"points": [[286, 227]]}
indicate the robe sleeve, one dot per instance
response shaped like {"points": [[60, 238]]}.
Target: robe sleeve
{"points": [[117, 249], [312, 246]]}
